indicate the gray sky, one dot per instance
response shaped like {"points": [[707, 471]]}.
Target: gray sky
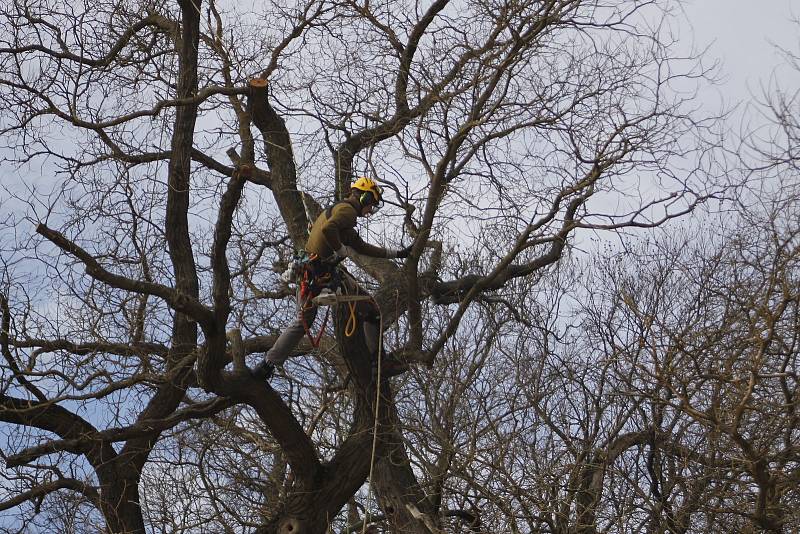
{"points": [[740, 33]]}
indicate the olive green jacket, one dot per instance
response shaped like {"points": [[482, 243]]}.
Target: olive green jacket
{"points": [[330, 233]]}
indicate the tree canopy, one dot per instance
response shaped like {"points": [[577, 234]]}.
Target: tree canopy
{"points": [[168, 160]]}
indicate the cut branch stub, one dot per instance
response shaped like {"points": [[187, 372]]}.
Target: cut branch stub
{"points": [[258, 84], [237, 349]]}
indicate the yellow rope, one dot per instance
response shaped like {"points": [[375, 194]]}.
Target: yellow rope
{"points": [[352, 321], [350, 327]]}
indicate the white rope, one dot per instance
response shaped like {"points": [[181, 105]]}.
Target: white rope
{"points": [[375, 424]]}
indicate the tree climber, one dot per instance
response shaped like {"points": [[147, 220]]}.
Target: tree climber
{"points": [[332, 238]]}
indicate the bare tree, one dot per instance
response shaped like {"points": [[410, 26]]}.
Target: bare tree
{"points": [[703, 337], [140, 266], [698, 330]]}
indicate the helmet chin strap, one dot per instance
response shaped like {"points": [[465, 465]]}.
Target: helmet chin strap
{"points": [[363, 197]]}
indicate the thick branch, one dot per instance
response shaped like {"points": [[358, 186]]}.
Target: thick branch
{"points": [[281, 161], [5, 328], [152, 20], [179, 246], [455, 290], [295, 443], [42, 490], [105, 347], [404, 70], [219, 259], [142, 428], [54, 418], [593, 474], [175, 299], [256, 175]]}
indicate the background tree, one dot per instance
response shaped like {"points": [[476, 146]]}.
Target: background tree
{"points": [[501, 128], [702, 338]]}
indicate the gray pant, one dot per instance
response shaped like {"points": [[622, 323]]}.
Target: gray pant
{"points": [[291, 336]]}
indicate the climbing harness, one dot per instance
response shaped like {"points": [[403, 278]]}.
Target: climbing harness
{"points": [[320, 284], [313, 277]]}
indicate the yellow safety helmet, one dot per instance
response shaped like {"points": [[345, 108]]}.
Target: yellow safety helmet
{"points": [[368, 186]]}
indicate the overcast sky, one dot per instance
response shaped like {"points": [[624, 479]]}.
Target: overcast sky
{"points": [[741, 33]]}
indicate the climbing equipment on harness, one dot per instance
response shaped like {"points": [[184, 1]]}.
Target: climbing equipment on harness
{"points": [[294, 269], [320, 284], [327, 298], [313, 277]]}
